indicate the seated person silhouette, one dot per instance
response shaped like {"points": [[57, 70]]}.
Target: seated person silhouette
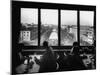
{"points": [[48, 60], [73, 61]]}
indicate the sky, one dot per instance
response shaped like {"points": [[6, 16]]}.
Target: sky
{"points": [[50, 16], [86, 18], [68, 17], [29, 15]]}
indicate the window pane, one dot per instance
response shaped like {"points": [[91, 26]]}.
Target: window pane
{"points": [[29, 26], [86, 28], [49, 26], [68, 27]]}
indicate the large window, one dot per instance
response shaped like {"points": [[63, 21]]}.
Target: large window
{"points": [[49, 26], [29, 26], [86, 28], [58, 27], [68, 27]]}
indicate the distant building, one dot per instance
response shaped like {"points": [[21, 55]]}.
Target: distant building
{"points": [[63, 26], [25, 35]]}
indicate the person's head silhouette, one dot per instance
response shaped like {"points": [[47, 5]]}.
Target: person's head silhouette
{"points": [[75, 44], [75, 48], [45, 44]]}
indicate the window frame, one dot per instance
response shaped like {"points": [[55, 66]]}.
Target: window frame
{"points": [[17, 5]]}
